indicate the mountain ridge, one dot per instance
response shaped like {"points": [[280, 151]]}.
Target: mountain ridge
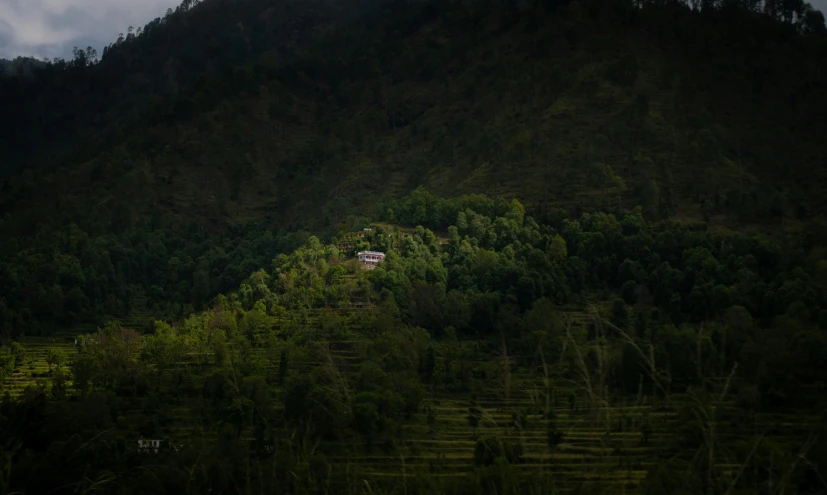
{"points": [[646, 101], [163, 57]]}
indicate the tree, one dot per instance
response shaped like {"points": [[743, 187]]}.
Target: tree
{"points": [[55, 357], [620, 314], [58, 388], [557, 250], [516, 212], [91, 55], [812, 22], [19, 353]]}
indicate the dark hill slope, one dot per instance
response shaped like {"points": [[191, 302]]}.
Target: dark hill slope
{"points": [[46, 116], [595, 105]]}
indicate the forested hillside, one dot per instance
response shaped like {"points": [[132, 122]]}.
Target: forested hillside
{"points": [[69, 102], [713, 114], [601, 354], [610, 102], [605, 236]]}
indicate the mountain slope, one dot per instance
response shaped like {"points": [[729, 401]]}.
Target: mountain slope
{"points": [[595, 105], [715, 115], [48, 114]]}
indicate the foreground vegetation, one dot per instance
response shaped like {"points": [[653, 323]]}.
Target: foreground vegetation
{"points": [[599, 354]]}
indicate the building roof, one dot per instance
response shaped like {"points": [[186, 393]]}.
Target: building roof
{"points": [[378, 253]]}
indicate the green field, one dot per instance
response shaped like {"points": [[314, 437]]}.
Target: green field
{"points": [[35, 368]]}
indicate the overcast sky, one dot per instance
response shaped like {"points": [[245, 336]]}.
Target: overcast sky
{"points": [[50, 28]]}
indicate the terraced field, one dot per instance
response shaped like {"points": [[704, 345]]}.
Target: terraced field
{"points": [[588, 453], [603, 449], [35, 367]]}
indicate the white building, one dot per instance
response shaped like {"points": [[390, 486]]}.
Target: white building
{"points": [[370, 258], [148, 446]]}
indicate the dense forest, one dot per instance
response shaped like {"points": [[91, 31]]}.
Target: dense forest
{"points": [[605, 239], [713, 114], [654, 353], [71, 100]]}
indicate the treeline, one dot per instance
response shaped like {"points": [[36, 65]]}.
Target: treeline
{"points": [[258, 376], [19, 66], [63, 277]]}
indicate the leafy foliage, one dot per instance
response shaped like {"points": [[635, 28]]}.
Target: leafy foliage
{"points": [[716, 300]]}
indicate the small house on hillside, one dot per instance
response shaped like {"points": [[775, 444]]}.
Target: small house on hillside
{"points": [[370, 259], [149, 446]]}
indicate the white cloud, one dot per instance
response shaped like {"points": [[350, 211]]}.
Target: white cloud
{"points": [[50, 28]]}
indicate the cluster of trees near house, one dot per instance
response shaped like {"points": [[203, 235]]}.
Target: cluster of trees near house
{"points": [[256, 370]]}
